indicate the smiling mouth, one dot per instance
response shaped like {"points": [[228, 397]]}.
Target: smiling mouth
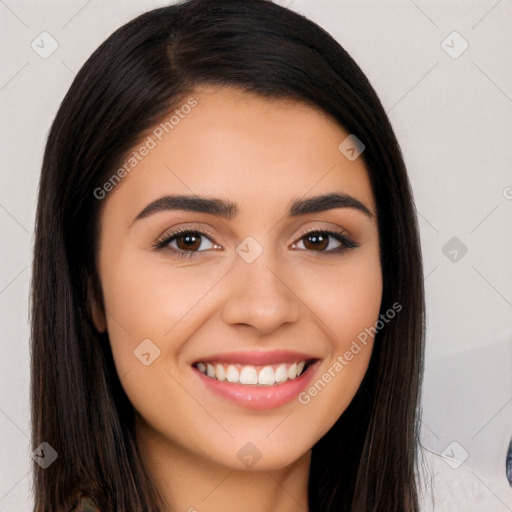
{"points": [[254, 375]]}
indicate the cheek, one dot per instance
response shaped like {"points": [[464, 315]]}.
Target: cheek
{"points": [[345, 298], [151, 301], [151, 312], [348, 310]]}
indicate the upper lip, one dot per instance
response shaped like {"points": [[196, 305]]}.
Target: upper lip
{"points": [[258, 357]]}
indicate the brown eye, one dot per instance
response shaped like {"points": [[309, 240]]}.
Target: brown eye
{"points": [[326, 242], [189, 241], [318, 241], [185, 243]]}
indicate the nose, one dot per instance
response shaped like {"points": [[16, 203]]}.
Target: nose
{"points": [[260, 296]]}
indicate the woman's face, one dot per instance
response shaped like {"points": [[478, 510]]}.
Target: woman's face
{"points": [[242, 292]]}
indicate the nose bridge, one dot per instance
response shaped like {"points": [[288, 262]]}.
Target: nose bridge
{"points": [[259, 294]]}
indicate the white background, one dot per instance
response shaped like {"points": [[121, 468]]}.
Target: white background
{"points": [[453, 119]]}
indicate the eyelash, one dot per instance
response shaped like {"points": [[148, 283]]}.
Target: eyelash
{"points": [[163, 242]]}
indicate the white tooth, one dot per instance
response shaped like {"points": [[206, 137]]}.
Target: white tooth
{"points": [[220, 372], [292, 371], [266, 376], [300, 367], [210, 370], [280, 373], [248, 375], [201, 367], [232, 374]]}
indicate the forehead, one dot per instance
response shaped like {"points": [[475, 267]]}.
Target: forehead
{"points": [[236, 144]]}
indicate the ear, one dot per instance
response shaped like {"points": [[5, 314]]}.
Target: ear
{"points": [[95, 306]]}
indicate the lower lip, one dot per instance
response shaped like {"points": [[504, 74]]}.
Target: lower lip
{"points": [[259, 397]]}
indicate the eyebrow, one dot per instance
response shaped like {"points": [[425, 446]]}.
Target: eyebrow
{"points": [[229, 210]]}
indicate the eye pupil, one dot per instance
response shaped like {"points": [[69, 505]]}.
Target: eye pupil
{"points": [[190, 240], [318, 240]]}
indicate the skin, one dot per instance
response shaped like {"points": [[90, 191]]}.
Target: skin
{"points": [[260, 153]]}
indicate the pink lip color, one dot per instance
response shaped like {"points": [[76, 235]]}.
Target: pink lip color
{"points": [[259, 397], [258, 357]]}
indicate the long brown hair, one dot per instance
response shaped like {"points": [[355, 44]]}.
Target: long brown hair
{"points": [[368, 459]]}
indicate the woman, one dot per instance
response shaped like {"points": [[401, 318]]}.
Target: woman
{"points": [[227, 300]]}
